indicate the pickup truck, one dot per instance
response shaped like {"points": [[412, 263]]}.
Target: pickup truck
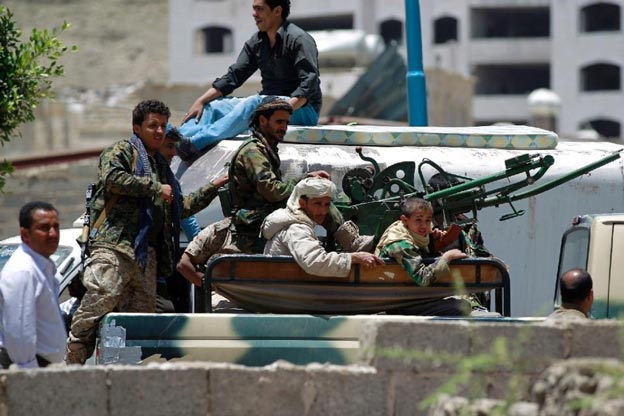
{"points": [[592, 241]]}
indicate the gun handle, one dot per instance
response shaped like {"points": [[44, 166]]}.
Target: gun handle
{"points": [[84, 237]]}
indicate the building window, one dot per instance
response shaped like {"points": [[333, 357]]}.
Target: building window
{"points": [[600, 77], [215, 39], [600, 17], [444, 30], [510, 22], [334, 22], [391, 30], [510, 79], [604, 127]]}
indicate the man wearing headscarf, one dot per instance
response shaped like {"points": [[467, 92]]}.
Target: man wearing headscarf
{"points": [[290, 231]]}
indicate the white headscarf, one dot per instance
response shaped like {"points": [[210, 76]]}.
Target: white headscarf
{"points": [[313, 187]]}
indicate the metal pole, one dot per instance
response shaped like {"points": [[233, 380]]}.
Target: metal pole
{"points": [[416, 89]]}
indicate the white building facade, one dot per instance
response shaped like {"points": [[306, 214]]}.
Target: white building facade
{"points": [[511, 47]]}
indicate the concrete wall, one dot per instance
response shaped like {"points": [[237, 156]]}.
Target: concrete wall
{"points": [[403, 361], [62, 184], [119, 41]]}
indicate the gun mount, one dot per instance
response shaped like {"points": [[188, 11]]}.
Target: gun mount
{"points": [[376, 194]]}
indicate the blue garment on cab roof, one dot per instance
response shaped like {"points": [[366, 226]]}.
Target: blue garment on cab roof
{"points": [[228, 117]]}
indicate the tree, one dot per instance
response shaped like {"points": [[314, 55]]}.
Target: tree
{"points": [[26, 71]]}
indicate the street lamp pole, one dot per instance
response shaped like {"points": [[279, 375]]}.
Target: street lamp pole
{"points": [[416, 88]]}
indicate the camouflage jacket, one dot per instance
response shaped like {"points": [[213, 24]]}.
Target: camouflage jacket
{"points": [[119, 229], [410, 257], [256, 185]]}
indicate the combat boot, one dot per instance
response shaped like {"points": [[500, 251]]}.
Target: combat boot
{"points": [[349, 238]]}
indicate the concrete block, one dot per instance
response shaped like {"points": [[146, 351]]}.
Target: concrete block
{"points": [[600, 338], [407, 390], [159, 389], [56, 391], [285, 389], [414, 344], [529, 347]]}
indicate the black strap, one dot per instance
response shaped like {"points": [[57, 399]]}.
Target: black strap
{"points": [[42, 361], [5, 360]]}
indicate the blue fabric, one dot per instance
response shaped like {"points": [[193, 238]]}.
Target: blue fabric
{"points": [[191, 227], [304, 116], [146, 207], [227, 117]]}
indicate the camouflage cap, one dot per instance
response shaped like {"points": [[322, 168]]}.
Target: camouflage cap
{"points": [[268, 106]]}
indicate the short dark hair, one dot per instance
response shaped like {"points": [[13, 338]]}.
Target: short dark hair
{"points": [[575, 285], [267, 107], [27, 211], [440, 181], [285, 6], [412, 204], [173, 134], [146, 107]]}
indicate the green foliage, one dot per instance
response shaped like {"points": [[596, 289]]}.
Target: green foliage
{"points": [[26, 72], [5, 169]]}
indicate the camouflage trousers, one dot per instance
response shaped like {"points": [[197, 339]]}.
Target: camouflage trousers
{"points": [[113, 282]]}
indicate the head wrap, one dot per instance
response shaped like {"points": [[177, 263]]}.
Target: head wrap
{"points": [[313, 187], [269, 104]]}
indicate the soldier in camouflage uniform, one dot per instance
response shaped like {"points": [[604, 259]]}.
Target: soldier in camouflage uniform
{"points": [[215, 238], [468, 240], [256, 189], [256, 184], [407, 241], [134, 243]]}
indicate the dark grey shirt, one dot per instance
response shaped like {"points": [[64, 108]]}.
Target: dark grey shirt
{"points": [[289, 69]]}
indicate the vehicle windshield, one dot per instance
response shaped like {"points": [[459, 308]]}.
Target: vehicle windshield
{"points": [[61, 253]]}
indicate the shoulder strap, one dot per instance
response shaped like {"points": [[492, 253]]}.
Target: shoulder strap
{"points": [[115, 197]]}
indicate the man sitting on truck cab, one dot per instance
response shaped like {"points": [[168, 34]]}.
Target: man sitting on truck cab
{"points": [[577, 296], [290, 231]]}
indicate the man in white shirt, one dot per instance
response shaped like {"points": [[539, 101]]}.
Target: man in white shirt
{"points": [[290, 231], [32, 332]]}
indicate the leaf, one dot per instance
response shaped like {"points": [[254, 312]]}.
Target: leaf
{"points": [[26, 72]]}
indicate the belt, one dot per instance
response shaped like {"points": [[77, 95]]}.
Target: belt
{"points": [[5, 360]]}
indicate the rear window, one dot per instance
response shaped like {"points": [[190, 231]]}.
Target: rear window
{"points": [[574, 254], [574, 250]]}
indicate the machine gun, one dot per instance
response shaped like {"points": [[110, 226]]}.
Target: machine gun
{"points": [[376, 194]]}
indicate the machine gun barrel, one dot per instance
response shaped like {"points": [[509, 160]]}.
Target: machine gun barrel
{"points": [[536, 161], [470, 196], [565, 178], [462, 196]]}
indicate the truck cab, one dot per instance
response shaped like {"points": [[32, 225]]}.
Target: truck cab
{"points": [[595, 242]]}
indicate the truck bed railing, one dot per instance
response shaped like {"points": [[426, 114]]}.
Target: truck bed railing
{"points": [[276, 284]]}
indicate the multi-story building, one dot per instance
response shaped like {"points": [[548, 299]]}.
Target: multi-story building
{"points": [[511, 47]]}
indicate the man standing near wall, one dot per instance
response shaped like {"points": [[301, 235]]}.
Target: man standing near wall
{"points": [[140, 204], [288, 61], [32, 331]]}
